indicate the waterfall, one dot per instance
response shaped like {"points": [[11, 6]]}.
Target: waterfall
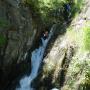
{"points": [[36, 58], [54, 89]]}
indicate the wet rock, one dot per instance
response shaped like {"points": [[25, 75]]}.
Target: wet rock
{"points": [[19, 32]]}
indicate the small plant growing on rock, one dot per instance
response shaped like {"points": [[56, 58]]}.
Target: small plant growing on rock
{"points": [[3, 23], [2, 40]]}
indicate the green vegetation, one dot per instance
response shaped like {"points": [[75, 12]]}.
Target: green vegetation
{"points": [[3, 22], [51, 11], [2, 40], [78, 74], [76, 7], [86, 39]]}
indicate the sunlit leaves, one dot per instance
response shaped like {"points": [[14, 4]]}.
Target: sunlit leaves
{"points": [[87, 38]]}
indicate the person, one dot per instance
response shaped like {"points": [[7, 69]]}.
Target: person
{"points": [[67, 10], [68, 7], [44, 36]]}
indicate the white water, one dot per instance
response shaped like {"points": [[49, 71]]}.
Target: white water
{"points": [[36, 58], [54, 89]]}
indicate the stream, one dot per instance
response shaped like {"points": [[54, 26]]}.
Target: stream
{"points": [[36, 59]]}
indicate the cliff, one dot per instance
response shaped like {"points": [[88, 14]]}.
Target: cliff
{"points": [[19, 31]]}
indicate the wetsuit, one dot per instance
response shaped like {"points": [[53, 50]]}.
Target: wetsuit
{"points": [[66, 11]]}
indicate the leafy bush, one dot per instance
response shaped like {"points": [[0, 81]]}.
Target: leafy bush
{"points": [[76, 6], [78, 75], [52, 10]]}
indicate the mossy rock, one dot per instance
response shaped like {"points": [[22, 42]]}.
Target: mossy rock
{"points": [[87, 38], [2, 40], [4, 23]]}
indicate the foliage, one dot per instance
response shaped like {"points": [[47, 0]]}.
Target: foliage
{"points": [[2, 40], [78, 75], [51, 11], [48, 9], [87, 72], [3, 22], [76, 7], [86, 39]]}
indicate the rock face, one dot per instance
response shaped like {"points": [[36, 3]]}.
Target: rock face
{"points": [[18, 32]]}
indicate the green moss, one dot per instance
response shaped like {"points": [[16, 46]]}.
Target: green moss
{"points": [[2, 40], [48, 68], [86, 38], [3, 22]]}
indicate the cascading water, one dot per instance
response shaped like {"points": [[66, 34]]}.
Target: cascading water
{"points": [[54, 89], [36, 58]]}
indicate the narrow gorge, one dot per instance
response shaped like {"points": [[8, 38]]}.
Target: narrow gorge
{"points": [[44, 45]]}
